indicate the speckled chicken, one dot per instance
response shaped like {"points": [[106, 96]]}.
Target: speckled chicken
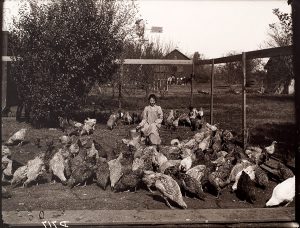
{"points": [[102, 173], [191, 185], [246, 188], [167, 186], [197, 172], [283, 193], [30, 172], [115, 169], [261, 178], [17, 138], [284, 172], [218, 178], [217, 141], [82, 173], [130, 180]]}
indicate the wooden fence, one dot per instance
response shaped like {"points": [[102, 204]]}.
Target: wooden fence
{"points": [[264, 53]]}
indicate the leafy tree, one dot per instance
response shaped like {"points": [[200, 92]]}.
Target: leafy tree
{"points": [[63, 48], [280, 69]]}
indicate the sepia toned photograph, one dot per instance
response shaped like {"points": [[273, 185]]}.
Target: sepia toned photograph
{"points": [[144, 113]]}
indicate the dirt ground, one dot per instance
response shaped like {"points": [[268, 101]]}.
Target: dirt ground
{"points": [[58, 197]]}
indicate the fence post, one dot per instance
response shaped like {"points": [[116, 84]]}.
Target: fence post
{"points": [[212, 91], [4, 41], [244, 127], [120, 84]]}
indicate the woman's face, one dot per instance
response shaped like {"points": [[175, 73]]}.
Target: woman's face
{"points": [[152, 101]]}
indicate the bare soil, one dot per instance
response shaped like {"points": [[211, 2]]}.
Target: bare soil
{"points": [[47, 196]]}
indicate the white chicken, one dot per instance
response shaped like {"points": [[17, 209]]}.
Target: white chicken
{"points": [[7, 172], [112, 121], [17, 138], [283, 192], [58, 164], [175, 142], [20, 175], [186, 164]]}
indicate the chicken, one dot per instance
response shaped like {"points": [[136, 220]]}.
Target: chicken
{"points": [[88, 127], [284, 172], [130, 180], [136, 118], [57, 164], [167, 186], [74, 147], [20, 176], [8, 171], [270, 149], [75, 124], [237, 169], [17, 138], [184, 120], [227, 136], [255, 155], [186, 164], [175, 142], [217, 141], [218, 178], [212, 127], [5, 151], [29, 172], [127, 118], [65, 140], [93, 152], [283, 193], [191, 185], [168, 164], [197, 172], [112, 121], [246, 188], [261, 178], [175, 124], [249, 171], [102, 173], [82, 173], [170, 119], [101, 151], [205, 143], [115, 169]]}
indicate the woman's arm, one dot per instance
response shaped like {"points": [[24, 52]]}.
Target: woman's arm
{"points": [[160, 115], [144, 120]]}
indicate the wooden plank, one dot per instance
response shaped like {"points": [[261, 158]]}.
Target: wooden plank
{"points": [[138, 217], [264, 53], [157, 62]]}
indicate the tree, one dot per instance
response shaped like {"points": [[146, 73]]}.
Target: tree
{"points": [[280, 69], [233, 71], [63, 48], [143, 75]]}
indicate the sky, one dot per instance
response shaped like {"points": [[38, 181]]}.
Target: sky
{"points": [[211, 27]]}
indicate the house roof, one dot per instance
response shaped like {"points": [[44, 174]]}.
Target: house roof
{"points": [[176, 53]]}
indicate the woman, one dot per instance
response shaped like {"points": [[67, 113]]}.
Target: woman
{"points": [[152, 118]]}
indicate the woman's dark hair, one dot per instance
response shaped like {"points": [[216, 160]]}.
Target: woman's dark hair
{"points": [[152, 96]]}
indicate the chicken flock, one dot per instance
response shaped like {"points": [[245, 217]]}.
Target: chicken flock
{"points": [[204, 164]]}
